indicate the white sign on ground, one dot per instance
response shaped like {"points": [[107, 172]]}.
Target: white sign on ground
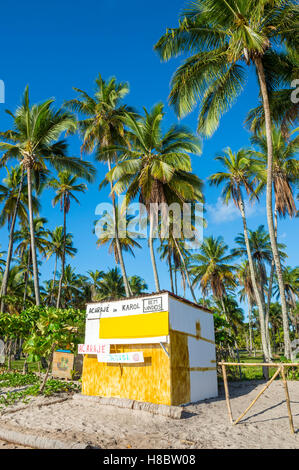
{"points": [[132, 357]]}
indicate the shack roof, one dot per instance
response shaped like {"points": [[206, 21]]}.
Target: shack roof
{"points": [[182, 299]]}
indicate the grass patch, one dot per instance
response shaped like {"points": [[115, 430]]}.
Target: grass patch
{"points": [[256, 372], [32, 381], [19, 364]]}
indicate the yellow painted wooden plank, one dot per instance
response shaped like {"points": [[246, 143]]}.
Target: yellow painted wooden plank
{"points": [[135, 326], [148, 381], [180, 369]]}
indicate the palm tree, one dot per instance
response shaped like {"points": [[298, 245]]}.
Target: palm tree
{"points": [[247, 291], [168, 252], [96, 277], [15, 203], [234, 314], [262, 256], [2, 262], [285, 169], [111, 286], [15, 289], [72, 288], [211, 269], [41, 237], [291, 284], [34, 141], [177, 250], [285, 176], [23, 236], [105, 231], [275, 321], [9, 196], [284, 111], [65, 186], [261, 252], [156, 168], [101, 127], [239, 174], [222, 35], [138, 285], [59, 246]]}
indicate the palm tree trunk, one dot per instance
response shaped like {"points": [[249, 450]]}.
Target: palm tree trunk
{"points": [[152, 253], [266, 323], [257, 294], [26, 278], [54, 279], [250, 323], [271, 274], [63, 253], [175, 280], [10, 243], [186, 271], [268, 125], [118, 247], [33, 249], [183, 282], [170, 270]]}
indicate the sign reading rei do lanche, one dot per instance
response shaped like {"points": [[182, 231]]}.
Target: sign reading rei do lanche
{"points": [[133, 357]]}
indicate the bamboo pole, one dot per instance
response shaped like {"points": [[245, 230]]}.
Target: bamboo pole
{"points": [[288, 400], [264, 364], [260, 393], [227, 393]]}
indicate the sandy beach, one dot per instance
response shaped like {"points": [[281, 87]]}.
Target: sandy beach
{"points": [[205, 424]]}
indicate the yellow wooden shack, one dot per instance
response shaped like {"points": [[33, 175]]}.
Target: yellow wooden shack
{"points": [[157, 348]]}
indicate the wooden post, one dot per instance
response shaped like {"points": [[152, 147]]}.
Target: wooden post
{"points": [[287, 400], [261, 392], [227, 393]]}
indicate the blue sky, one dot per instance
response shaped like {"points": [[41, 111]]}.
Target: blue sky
{"points": [[58, 45]]}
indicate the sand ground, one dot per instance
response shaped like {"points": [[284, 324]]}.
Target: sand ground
{"points": [[205, 424]]}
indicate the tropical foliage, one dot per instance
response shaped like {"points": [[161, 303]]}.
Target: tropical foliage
{"points": [[148, 161]]}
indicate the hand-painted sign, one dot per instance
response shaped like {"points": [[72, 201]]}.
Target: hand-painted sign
{"points": [[152, 304], [94, 348], [117, 308], [62, 365], [133, 357]]}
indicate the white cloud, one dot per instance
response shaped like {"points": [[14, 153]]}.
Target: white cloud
{"points": [[282, 235], [221, 212]]}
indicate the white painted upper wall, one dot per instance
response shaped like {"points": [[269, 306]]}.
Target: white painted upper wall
{"points": [[139, 306], [183, 317]]}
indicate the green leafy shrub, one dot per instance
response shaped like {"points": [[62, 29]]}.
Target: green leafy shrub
{"points": [[13, 379], [16, 379]]}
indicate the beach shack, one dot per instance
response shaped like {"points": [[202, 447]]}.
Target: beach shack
{"points": [[157, 348]]}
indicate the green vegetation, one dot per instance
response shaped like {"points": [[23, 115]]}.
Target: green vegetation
{"points": [[146, 162], [15, 379]]}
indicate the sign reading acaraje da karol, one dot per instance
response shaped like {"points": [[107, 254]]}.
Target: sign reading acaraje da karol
{"points": [[127, 307], [135, 321]]}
